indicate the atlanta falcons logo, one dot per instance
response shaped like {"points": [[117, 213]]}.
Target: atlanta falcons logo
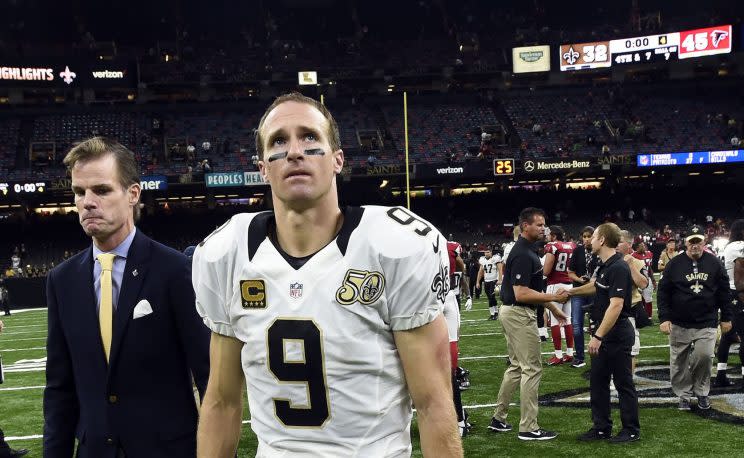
{"points": [[717, 36]]}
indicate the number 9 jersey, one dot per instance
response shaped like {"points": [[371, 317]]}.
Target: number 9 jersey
{"points": [[319, 357]]}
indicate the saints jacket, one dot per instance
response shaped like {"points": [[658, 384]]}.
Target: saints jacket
{"points": [[691, 294]]}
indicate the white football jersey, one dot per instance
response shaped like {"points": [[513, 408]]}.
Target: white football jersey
{"points": [[322, 370], [507, 249], [490, 267], [732, 252]]}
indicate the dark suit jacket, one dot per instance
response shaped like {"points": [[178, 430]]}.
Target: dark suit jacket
{"points": [[143, 401]]}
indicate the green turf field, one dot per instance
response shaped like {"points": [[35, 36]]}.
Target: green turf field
{"points": [[564, 399]]}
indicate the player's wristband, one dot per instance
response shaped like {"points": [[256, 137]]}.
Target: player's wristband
{"points": [[597, 337]]}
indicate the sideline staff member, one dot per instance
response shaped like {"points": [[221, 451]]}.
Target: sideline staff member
{"points": [[521, 293], [694, 287], [610, 345]]}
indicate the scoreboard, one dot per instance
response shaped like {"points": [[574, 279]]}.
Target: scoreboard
{"points": [[650, 48]]}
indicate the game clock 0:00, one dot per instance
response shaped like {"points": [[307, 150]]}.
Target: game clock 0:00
{"points": [[503, 167]]}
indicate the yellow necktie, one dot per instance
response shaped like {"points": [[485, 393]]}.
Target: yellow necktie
{"points": [[106, 309]]}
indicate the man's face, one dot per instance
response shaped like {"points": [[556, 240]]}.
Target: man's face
{"points": [[596, 242], [299, 178], [488, 254], [641, 247], [586, 238], [103, 206], [535, 230], [671, 247], [624, 247], [695, 248]]}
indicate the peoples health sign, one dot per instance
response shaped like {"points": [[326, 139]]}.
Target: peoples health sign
{"points": [[233, 179]]}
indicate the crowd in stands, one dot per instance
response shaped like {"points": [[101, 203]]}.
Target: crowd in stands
{"points": [[600, 121]]}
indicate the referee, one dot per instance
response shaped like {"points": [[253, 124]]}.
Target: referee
{"points": [[611, 344], [521, 293]]}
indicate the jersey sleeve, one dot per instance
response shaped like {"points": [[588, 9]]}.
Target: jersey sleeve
{"points": [[416, 274], [552, 248], [211, 271]]}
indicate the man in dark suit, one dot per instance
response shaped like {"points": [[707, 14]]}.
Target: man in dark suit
{"points": [[124, 337]]}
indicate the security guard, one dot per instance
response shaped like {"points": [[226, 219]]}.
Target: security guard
{"points": [[691, 292], [611, 343]]}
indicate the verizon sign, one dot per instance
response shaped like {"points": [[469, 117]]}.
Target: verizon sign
{"points": [[109, 74], [450, 171]]}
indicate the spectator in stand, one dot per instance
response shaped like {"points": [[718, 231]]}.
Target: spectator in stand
{"points": [[605, 150], [371, 160], [735, 142]]}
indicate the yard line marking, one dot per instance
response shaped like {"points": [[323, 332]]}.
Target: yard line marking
{"points": [[468, 358], [23, 349], [29, 338], [26, 326], [483, 334], [20, 388], [23, 438], [11, 333]]}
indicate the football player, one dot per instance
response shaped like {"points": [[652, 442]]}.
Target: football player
{"points": [[557, 256], [733, 259], [332, 317], [452, 316], [491, 271]]}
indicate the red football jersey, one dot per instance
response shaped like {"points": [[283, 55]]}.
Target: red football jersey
{"points": [[562, 252], [646, 257], [453, 250]]}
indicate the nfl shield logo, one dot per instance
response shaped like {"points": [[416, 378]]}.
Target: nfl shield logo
{"points": [[295, 290]]}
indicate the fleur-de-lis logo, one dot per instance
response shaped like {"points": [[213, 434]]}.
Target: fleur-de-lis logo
{"points": [[67, 76], [571, 56], [696, 288]]}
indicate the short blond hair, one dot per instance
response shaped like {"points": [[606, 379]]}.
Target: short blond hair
{"points": [[611, 234], [98, 147]]}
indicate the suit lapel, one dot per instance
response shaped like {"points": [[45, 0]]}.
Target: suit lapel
{"points": [[87, 315], [131, 284]]}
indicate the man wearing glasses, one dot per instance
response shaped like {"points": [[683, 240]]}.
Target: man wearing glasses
{"points": [[694, 288]]}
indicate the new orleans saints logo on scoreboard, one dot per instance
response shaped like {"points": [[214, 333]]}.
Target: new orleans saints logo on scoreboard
{"points": [[585, 55]]}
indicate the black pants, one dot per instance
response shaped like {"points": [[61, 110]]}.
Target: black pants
{"points": [[614, 361], [6, 306], [473, 291], [737, 328], [489, 287], [4, 447], [540, 316]]}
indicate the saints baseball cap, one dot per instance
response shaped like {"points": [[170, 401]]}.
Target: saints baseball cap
{"points": [[695, 232]]}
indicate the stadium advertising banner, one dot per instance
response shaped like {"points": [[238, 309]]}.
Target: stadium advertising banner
{"points": [[67, 73], [466, 170], [253, 179], [538, 166], [224, 179], [650, 48], [692, 158], [530, 59], [154, 183]]}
